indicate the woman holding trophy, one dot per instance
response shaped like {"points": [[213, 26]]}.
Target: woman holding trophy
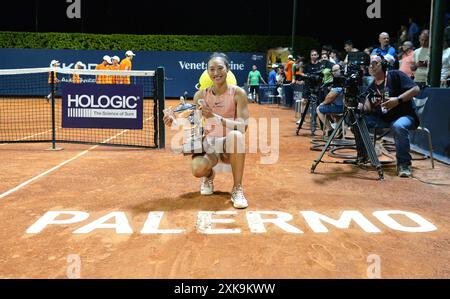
{"points": [[225, 113]]}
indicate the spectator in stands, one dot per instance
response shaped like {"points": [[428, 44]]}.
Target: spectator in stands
{"points": [[421, 59], [297, 70], [407, 59], [334, 57], [273, 75], [348, 47], [254, 76], [384, 47], [413, 30], [288, 91], [280, 76], [402, 35], [445, 71], [324, 56], [288, 69], [280, 80], [327, 49]]}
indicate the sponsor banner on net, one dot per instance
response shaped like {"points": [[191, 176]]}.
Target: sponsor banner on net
{"points": [[102, 106]]}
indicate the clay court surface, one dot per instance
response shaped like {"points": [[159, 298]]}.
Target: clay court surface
{"points": [[138, 181]]}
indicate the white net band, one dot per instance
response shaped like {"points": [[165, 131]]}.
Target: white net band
{"points": [[77, 71]]}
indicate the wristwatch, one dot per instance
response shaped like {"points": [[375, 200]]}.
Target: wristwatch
{"points": [[400, 100]]}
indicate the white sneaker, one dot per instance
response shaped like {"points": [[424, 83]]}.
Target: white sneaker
{"points": [[207, 187], [238, 198]]}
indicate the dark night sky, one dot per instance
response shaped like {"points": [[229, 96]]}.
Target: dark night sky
{"points": [[332, 22]]}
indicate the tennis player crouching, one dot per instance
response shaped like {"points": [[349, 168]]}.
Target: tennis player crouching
{"points": [[225, 109]]}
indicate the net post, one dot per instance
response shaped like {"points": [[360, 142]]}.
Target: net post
{"points": [[160, 98], [53, 110], [52, 98]]}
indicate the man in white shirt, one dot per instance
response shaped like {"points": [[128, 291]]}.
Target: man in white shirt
{"points": [[421, 60]]}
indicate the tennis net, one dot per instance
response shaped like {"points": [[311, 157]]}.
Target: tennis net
{"points": [[32, 110]]}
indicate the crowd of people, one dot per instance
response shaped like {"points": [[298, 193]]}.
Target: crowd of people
{"points": [[108, 63], [396, 73]]}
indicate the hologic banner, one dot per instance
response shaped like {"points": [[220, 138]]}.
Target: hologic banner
{"points": [[102, 106]]}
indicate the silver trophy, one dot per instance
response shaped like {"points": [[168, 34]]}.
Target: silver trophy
{"points": [[190, 119]]}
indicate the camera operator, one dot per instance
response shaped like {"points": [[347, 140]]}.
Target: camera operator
{"points": [[389, 105], [310, 68], [333, 102]]}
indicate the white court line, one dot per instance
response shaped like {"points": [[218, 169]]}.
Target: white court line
{"points": [[56, 167], [42, 174], [60, 165], [28, 137]]}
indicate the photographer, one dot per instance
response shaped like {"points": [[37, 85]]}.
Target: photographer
{"points": [[333, 102], [389, 106]]}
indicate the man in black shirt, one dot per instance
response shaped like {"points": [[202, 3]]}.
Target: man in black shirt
{"points": [[310, 68], [391, 106], [314, 64]]}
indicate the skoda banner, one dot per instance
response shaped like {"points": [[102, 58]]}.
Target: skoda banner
{"points": [[102, 106]]}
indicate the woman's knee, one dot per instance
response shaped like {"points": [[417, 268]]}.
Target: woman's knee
{"points": [[235, 143], [201, 167]]}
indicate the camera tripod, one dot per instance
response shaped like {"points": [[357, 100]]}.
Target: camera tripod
{"points": [[312, 101], [364, 145]]}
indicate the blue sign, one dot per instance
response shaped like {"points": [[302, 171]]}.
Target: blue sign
{"points": [[183, 69], [102, 106]]}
